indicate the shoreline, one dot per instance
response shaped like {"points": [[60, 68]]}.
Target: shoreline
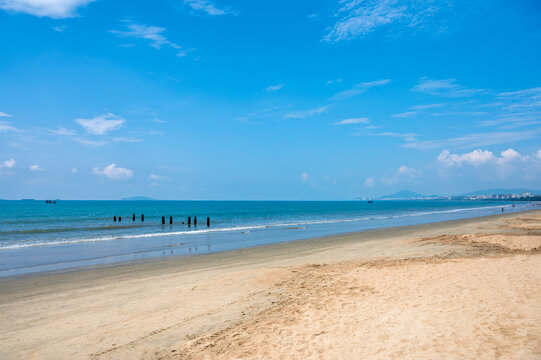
{"points": [[324, 291], [173, 260], [34, 253]]}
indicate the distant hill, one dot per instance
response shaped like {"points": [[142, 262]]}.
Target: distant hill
{"points": [[501, 191], [138, 198], [406, 194]]}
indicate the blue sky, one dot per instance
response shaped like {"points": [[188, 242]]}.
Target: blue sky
{"points": [[230, 99]]}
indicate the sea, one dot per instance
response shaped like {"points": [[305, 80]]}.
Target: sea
{"points": [[36, 236]]}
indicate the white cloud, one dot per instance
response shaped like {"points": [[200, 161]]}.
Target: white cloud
{"points": [[8, 163], [307, 113], [359, 89], [478, 139], [36, 168], [352, 121], [406, 137], [3, 114], [208, 7], [370, 182], [157, 177], [402, 173], [89, 142], [358, 18], [56, 9], [426, 106], [509, 163], [446, 88], [334, 81], [113, 172], [305, 176], [74, 170], [127, 139], [474, 158], [63, 131], [508, 156], [408, 171], [60, 28], [405, 114], [101, 124], [479, 157], [274, 87], [5, 126], [538, 154], [154, 34]]}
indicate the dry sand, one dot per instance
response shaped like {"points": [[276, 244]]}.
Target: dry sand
{"points": [[468, 289]]}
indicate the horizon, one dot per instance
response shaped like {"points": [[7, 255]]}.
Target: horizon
{"points": [[230, 99], [383, 197]]}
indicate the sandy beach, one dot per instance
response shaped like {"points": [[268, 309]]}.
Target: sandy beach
{"points": [[464, 289]]}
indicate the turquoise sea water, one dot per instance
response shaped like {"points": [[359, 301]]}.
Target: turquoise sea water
{"points": [[35, 236]]}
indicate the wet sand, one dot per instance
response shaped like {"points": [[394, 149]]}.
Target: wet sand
{"points": [[458, 289]]}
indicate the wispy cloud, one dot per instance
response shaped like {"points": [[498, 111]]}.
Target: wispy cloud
{"points": [[89, 142], [460, 113], [155, 177], [153, 34], [55, 9], [6, 126], [402, 173], [370, 182], [273, 111], [3, 114], [307, 113], [478, 139], [63, 131], [273, 88], [101, 124], [357, 18], [208, 7], [8, 163], [60, 28], [353, 121], [405, 137], [405, 114], [446, 88], [127, 139], [113, 172], [334, 81], [36, 168], [426, 106], [358, 89]]}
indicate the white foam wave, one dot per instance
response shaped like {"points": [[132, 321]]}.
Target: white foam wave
{"points": [[242, 229]]}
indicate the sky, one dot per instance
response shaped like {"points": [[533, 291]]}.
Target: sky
{"points": [[268, 100]]}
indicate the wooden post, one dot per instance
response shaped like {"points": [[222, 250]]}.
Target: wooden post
{"points": [[208, 221], [189, 221], [114, 218], [133, 217], [195, 221], [170, 220], [163, 220], [142, 217]]}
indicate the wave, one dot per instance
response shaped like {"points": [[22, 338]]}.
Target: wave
{"points": [[56, 230], [244, 229]]}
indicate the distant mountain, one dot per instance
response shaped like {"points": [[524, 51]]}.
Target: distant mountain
{"points": [[501, 191], [405, 195], [138, 198]]}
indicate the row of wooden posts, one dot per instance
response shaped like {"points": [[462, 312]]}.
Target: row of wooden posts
{"points": [[163, 220]]}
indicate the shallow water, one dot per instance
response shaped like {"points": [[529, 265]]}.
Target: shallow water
{"points": [[35, 236]]}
